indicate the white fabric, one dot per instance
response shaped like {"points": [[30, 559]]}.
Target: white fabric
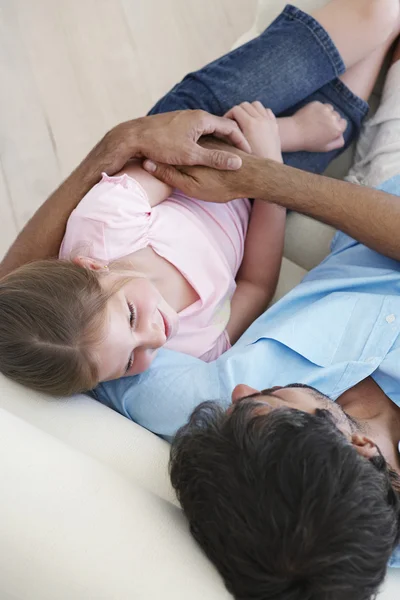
{"points": [[378, 150], [71, 528], [96, 431], [86, 508]]}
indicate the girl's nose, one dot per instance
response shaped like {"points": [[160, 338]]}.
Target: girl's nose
{"points": [[151, 337]]}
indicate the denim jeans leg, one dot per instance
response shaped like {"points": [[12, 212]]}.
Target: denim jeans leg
{"points": [[289, 62]]}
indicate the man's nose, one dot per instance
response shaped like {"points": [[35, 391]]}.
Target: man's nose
{"points": [[242, 391]]}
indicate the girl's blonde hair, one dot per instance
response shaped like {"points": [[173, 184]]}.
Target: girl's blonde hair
{"points": [[51, 313]]}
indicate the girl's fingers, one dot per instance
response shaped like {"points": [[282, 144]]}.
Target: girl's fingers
{"points": [[260, 108], [249, 109]]}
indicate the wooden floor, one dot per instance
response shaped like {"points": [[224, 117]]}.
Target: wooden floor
{"points": [[71, 69]]}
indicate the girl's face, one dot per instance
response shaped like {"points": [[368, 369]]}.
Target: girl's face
{"points": [[138, 322]]}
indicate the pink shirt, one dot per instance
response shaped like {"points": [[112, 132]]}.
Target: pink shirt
{"points": [[204, 241]]}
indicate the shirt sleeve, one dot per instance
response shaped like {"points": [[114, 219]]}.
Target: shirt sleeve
{"points": [[111, 221], [221, 345], [163, 398]]}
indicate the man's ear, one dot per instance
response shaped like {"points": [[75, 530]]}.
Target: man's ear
{"points": [[364, 446], [88, 263]]}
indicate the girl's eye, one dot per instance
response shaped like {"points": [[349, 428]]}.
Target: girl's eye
{"points": [[132, 315], [130, 363]]}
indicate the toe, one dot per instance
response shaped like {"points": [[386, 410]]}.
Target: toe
{"points": [[335, 144], [336, 115], [339, 123]]}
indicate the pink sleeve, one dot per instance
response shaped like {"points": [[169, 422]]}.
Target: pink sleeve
{"points": [[221, 345], [111, 221]]}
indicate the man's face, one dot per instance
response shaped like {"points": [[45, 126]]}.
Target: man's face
{"points": [[294, 396]]}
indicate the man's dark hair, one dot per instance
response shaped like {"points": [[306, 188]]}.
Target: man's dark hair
{"points": [[283, 505]]}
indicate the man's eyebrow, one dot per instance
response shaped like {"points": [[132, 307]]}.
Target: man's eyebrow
{"points": [[355, 423], [255, 395], [251, 401]]}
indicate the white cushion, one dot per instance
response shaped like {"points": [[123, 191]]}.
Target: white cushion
{"points": [[73, 529], [95, 430], [87, 510]]}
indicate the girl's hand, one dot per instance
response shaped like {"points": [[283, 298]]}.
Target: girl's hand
{"points": [[260, 128]]}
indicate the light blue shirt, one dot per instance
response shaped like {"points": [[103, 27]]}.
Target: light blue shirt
{"points": [[339, 326]]}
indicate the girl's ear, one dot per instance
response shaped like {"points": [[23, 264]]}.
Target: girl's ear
{"points": [[88, 263]]}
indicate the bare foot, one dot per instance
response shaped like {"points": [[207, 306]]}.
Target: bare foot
{"points": [[316, 127]]}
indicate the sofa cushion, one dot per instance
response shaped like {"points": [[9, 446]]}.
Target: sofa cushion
{"points": [[96, 431], [73, 529]]}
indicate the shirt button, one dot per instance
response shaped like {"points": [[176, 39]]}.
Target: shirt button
{"points": [[390, 319]]}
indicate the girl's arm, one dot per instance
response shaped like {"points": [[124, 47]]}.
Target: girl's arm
{"points": [[156, 190], [258, 275]]}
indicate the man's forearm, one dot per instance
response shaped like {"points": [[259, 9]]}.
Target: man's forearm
{"points": [[370, 216], [42, 235]]}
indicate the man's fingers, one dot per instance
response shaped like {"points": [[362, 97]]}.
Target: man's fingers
{"points": [[229, 129], [169, 175], [236, 137], [219, 159], [229, 114], [235, 113]]}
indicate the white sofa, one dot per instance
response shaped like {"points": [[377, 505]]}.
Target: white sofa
{"points": [[86, 508]]}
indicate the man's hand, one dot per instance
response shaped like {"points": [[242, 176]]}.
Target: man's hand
{"points": [[170, 138], [205, 183], [167, 138]]}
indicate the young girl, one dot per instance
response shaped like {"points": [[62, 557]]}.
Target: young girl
{"points": [[145, 267]]}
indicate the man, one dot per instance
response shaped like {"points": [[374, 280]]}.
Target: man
{"points": [[287, 494]]}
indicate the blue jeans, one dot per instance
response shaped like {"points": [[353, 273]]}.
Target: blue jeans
{"points": [[293, 62]]}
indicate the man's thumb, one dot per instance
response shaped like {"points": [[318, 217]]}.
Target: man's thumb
{"points": [[165, 173]]}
